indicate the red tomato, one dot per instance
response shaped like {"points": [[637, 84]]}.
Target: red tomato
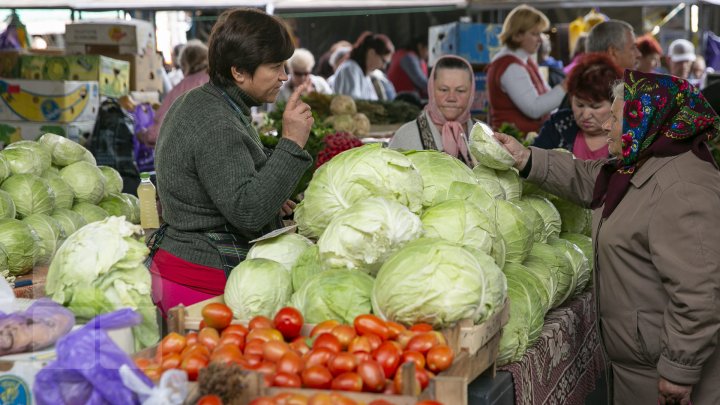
{"points": [[368, 323], [439, 358], [172, 360], [345, 334], [415, 357], [251, 361], [290, 363], [372, 375], [342, 363], [235, 330], [266, 368], [318, 357], [347, 382], [388, 355], [234, 339], [209, 337], [323, 327], [192, 365], [226, 354], [264, 334], [289, 321], [196, 349], [328, 341], [209, 400], [421, 327], [423, 342], [374, 340], [172, 343], [300, 345], [274, 350], [260, 322], [317, 377], [360, 344], [394, 329], [217, 315], [404, 338], [142, 362], [191, 338], [256, 347], [286, 380]]}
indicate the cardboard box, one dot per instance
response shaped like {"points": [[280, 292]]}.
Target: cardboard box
{"points": [[48, 101], [112, 75], [145, 71], [17, 378], [127, 37], [13, 131], [476, 42], [9, 64]]}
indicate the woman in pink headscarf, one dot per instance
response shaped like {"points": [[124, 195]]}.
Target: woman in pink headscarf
{"points": [[445, 122]]}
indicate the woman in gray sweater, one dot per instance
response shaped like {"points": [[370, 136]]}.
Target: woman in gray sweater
{"points": [[219, 187]]}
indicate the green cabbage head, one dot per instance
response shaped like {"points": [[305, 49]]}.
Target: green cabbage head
{"points": [[7, 205], [337, 294], [69, 220], [258, 287], [64, 152], [85, 180], [117, 205], [113, 180], [473, 193], [554, 259], [364, 235], [284, 249], [487, 150], [64, 196], [50, 234], [91, 213], [438, 170], [22, 245], [549, 215], [41, 152], [488, 180], [307, 265], [511, 183], [31, 194], [23, 161], [515, 228], [354, 175], [578, 262], [4, 168], [574, 218]]}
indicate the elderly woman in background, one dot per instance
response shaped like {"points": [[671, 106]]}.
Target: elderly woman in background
{"points": [[445, 122], [353, 77], [579, 128], [650, 54], [655, 228], [301, 65], [518, 93], [194, 65]]}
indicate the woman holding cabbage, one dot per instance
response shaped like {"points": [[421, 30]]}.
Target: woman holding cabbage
{"points": [[656, 227], [445, 122], [219, 187]]}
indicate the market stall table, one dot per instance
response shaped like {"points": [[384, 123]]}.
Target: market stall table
{"points": [[565, 365], [32, 285]]}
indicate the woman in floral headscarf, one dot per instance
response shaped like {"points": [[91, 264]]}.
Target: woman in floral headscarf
{"points": [[656, 230], [445, 122]]}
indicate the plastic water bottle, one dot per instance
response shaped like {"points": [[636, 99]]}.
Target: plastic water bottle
{"points": [[149, 218]]}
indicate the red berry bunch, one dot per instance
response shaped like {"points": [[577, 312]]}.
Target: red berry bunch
{"points": [[334, 144]]}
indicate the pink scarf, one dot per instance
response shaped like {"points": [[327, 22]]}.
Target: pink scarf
{"points": [[454, 141]]}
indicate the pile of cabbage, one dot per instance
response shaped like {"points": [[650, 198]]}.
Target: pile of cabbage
{"points": [[417, 236], [48, 190]]}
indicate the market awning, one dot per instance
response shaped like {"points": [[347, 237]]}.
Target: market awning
{"points": [[194, 4]]}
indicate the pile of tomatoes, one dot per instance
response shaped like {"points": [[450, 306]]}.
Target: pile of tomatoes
{"points": [[365, 356], [322, 399]]}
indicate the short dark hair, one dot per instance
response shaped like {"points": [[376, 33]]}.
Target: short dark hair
{"points": [[246, 38], [450, 63], [380, 43], [593, 76]]}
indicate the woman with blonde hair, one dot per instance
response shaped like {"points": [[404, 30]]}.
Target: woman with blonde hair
{"points": [[518, 93]]}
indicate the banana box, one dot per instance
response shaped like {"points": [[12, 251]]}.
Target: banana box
{"points": [[112, 75], [13, 131], [127, 36], [48, 101], [145, 71]]}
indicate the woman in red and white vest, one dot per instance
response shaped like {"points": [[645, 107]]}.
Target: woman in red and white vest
{"points": [[518, 93]]}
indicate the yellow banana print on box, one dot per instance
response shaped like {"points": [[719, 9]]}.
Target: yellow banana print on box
{"points": [[48, 101]]}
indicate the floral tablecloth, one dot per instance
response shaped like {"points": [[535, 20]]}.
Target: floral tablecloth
{"points": [[564, 365]]}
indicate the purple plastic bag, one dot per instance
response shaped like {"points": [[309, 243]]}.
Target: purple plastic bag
{"points": [[87, 367], [35, 328], [144, 155]]}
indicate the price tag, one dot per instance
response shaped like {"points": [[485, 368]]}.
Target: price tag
{"points": [[277, 232]]}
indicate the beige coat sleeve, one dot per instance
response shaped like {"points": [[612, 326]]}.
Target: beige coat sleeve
{"points": [[557, 172], [683, 237]]}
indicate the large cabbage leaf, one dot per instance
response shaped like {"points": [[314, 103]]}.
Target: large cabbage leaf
{"points": [[473, 193], [559, 265], [64, 196], [258, 287], [85, 180], [31, 194], [7, 205], [487, 150], [99, 269], [549, 215], [438, 170], [515, 228], [354, 175], [284, 249], [22, 245], [337, 294], [462, 222], [511, 183], [488, 180], [432, 281], [364, 235], [49, 232]]}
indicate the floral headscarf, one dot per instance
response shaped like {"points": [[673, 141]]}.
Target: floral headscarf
{"points": [[453, 135], [663, 116]]}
